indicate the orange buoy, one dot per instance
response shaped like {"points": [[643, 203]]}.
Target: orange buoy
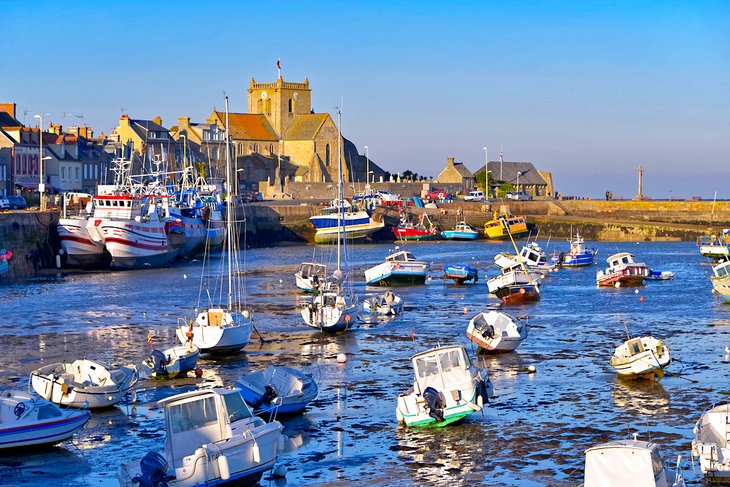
{"points": [[641, 299], [466, 310]]}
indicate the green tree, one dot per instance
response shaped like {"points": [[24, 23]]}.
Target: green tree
{"points": [[481, 181], [201, 169], [504, 188]]}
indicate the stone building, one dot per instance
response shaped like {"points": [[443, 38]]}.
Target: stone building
{"points": [[523, 176], [150, 141], [457, 173]]}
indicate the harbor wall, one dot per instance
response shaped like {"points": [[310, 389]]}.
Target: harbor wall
{"points": [[32, 238]]}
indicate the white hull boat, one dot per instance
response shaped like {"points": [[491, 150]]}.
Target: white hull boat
{"points": [[447, 388], [26, 421], [171, 363], [710, 444], [400, 267], [311, 277], [383, 305], [83, 383], [628, 463], [212, 439], [495, 331], [721, 279], [278, 389], [622, 271], [217, 330], [329, 311], [80, 249], [515, 285], [641, 358]]}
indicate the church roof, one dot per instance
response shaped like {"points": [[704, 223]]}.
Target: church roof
{"points": [[248, 126], [528, 174], [306, 126]]}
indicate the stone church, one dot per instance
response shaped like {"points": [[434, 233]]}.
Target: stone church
{"points": [[282, 131]]}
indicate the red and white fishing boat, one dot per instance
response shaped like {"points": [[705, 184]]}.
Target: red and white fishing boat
{"points": [[137, 230], [622, 271], [423, 230], [77, 244]]}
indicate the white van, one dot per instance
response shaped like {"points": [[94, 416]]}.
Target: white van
{"points": [[474, 196]]}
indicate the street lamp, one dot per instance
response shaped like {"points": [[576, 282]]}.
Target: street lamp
{"points": [[486, 171], [519, 173], [41, 183], [185, 149], [367, 170]]}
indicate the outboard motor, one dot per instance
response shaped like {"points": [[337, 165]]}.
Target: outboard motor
{"points": [[436, 403], [269, 395], [158, 361], [484, 389], [154, 471]]}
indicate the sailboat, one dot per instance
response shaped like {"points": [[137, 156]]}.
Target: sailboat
{"points": [[222, 328], [332, 310]]}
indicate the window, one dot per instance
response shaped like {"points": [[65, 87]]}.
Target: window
{"points": [[63, 174], [236, 408], [327, 154], [427, 366], [191, 415], [291, 106], [255, 148], [77, 173]]}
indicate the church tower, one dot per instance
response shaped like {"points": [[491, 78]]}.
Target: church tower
{"points": [[280, 102]]}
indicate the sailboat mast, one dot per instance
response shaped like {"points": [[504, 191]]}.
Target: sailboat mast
{"points": [[228, 214], [340, 196]]}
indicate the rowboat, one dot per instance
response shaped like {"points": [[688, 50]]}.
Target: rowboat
{"points": [[386, 304]]}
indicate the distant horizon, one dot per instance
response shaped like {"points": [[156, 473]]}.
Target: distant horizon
{"points": [[585, 90]]}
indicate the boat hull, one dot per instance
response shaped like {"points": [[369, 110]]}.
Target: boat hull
{"points": [[413, 234], [721, 285], [641, 358], [518, 293], [137, 246], [396, 273], [461, 273], [454, 235], [357, 225], [294, 390], [40, 433], [496, 332], [577, 260], [80, 249], [710, 444]]}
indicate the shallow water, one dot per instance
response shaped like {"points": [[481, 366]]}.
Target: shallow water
{"points": [[533, 433]]}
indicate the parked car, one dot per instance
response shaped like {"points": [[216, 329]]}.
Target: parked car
{"points": [[519, 196], [438, 194], [251, 196], [13, 202], [474, 196]]}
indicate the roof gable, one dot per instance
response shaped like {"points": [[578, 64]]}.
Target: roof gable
{"points": [[249, 126], [7, 120], [528, 174], [305, 127]]}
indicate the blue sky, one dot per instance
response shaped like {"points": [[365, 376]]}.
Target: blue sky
{"points": [[588, 90]]}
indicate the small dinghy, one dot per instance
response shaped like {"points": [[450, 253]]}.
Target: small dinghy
{"points": [[652, 275], [278, 389], [212, 439], [495, 331], [31, 422], [83, 383], [624, 463], [171, 363], [641, 358], [710, 443], [447, 388], [460, 273], [386, 304]]}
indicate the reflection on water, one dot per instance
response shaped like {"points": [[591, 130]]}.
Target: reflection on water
{"points": [[534, 432]]}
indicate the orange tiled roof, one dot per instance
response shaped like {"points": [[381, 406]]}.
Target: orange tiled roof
{"points": [[248, 126]]}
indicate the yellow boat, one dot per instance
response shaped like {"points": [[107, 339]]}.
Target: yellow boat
{"points": [[495, 228]]}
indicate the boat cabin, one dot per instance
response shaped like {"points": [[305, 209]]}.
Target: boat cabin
{"points": [[129, 207], [722, 270], [441, 367], [625, 462], [533, 255], [463, 227], [621, 259], [202, 417], [401, 256], [310, 269]]}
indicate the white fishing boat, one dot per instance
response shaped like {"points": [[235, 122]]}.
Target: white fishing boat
{"points": [[339, 219], [222, 328], [710, 443], [515, 285], [386, 304], [628, 463], [715, 247], [623, 270], [77, 244], [172, 362], [400, 267], [446, 388], [534, 258], [27, 421], [83, 383], [332, 310], [278, 389], [721, 279], [212, 439], [311, 276], [641, 358], [495, 331]]}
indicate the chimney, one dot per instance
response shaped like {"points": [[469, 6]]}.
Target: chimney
{"points": [[124, 121], [157, 120], [8, 108], [450, 161], [183, 122], [55, 128]]}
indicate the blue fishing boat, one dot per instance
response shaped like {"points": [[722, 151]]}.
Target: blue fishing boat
{"points": [[577, 256], [462, 231], [340, 219], [460, 273]]}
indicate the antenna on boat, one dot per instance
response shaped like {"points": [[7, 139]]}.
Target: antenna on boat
{"points": [[628, 336]]}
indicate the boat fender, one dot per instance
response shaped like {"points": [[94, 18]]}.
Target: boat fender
{"points": [[154, 471], [256, 452], [435, 403], [223, 468]]}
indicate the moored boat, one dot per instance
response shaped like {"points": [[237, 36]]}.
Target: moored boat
{"points": [[715, 247], [652, 275], [278, 389], [83, 383], [400, 267], [494, 331], [311, 276], [386, 304], [27, 421], [515, 285], [623, 270], [447, 388], [531, 255], [501, 226], [340, 219], [641, 358], [212, 439], [77, 244], [711, 443], [577, 256], [423, 230], [172, 362], [460, 273], [462, 231], [721, 279]]}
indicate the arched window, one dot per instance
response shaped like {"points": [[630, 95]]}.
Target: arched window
{"points": [[327, 154], [291, 105]]}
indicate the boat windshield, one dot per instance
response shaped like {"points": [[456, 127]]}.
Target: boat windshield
{"points": [[656, 462], [722, 270], [236, 408], [192, 415]]}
